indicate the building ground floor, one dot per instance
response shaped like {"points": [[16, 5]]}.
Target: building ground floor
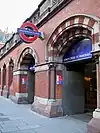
{"points": [[68, 82]]}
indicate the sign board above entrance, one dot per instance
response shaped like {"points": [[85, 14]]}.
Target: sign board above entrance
{"points": [[79, 51], [29, 32]]}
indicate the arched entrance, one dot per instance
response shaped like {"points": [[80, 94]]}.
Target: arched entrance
{"points": [[3, 78], [26, 73], [75, 73], [79, 75], [9, 76], [27, 64]]}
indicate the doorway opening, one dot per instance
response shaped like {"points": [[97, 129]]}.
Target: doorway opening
{"points": [[27, 64], [79, 88]]}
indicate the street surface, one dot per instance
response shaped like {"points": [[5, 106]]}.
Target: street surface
{"points": [[16, 118]]}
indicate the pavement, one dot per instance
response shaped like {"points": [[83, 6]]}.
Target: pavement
{"points": [[16, 118]]}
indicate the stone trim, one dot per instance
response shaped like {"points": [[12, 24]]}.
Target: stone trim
{"points": [[46, 101], [89, 22], [96, 47], [41, 68], [5, 93], [46, 66], [19, 72], [47, 107], [96, 114], [21, 94], [85, 20], [27, 50]]}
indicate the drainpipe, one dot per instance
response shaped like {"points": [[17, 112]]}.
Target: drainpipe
{"points": [[49, 81], [52, 80], [46, 52], [55, 81]]}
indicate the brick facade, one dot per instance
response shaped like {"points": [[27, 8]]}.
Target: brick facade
{"points": [[81, 17]]}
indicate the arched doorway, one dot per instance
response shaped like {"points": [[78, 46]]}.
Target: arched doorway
{"points": [[10, 76], [27, 64], [4, 76], [25, 76], [75, 74], [79, 88]]}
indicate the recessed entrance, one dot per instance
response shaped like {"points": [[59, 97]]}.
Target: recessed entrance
{"points": [[27, 64], [79, 88]]}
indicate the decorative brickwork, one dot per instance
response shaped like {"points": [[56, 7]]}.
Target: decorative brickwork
{"points": [[61, 27], [27, 50], [71, 28]]}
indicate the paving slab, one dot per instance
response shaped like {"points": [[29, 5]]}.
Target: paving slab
{"points": [[16, 118]]}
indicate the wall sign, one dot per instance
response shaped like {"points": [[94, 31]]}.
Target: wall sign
{"points": [[29, 32], [79, 51], [31, 68], [23, 81], [59, 80]]}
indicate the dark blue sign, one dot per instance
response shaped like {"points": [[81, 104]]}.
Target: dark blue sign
{"points": [[29, 32], [31, 68], [79, 51]]}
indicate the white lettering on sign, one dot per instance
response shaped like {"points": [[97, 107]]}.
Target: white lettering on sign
{"points": [[78, 56]]}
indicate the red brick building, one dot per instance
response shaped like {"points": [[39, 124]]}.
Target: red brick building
{"points": [[65, 23]]}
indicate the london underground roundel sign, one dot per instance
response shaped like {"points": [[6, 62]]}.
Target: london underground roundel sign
{"points": [[29, 32]]}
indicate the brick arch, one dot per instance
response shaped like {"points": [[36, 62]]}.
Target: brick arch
{"points": [[25, 51], [87, 22]]}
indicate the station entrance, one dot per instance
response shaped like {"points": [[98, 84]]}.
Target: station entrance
{"points": [[79, 88], [27, 64]]}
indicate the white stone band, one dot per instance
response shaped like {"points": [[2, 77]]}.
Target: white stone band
{"points": [[21, 95], [41, 68], [46, 100], [19, 72], [96, 113]]}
